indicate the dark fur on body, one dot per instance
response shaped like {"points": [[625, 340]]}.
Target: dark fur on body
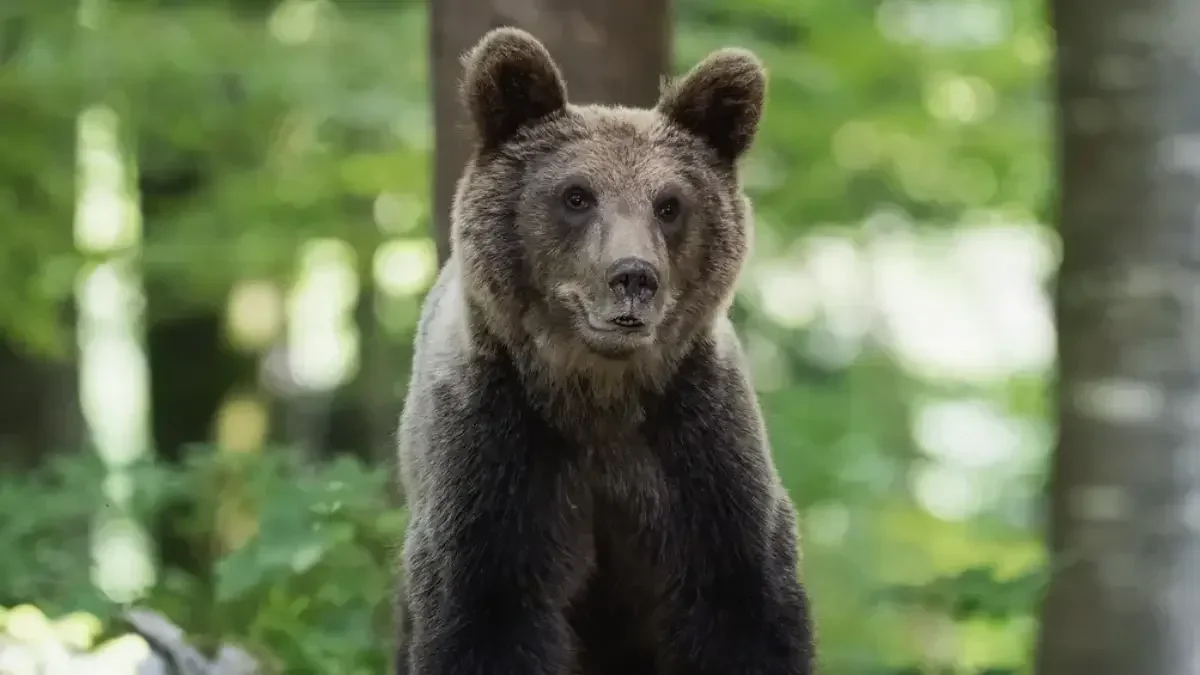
{"points": [[584, 503]]}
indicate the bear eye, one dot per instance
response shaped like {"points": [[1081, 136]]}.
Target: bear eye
{"points": [[667, 210], [577, 199]]}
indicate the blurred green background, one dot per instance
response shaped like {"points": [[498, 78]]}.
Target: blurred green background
{"points": [[217, 233]]}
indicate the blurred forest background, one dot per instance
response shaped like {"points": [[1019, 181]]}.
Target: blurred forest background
{"points": [[220, 216]]}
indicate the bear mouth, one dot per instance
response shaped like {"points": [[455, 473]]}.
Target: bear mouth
{"points": [[622, 324], [628, 322], [615, 336]]}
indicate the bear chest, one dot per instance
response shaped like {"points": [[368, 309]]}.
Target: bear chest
{"points": [[630, 493]]}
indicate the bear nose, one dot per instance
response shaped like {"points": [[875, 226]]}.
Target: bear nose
{"points": [[633, 278]]}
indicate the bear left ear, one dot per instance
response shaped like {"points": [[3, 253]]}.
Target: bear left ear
{"points": [[720, 100], [510, 81]]}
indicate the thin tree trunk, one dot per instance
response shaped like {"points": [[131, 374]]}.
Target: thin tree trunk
{"points": [[1124, 598], [615, 51]]}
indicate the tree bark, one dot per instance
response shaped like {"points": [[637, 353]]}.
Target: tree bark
{"points": [[610, 52], [1125, 486]]}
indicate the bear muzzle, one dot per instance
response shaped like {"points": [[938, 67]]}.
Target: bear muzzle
{"points": [[624, 318]]}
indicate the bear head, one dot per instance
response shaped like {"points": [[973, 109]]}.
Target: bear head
{"points": [[595, 240]]}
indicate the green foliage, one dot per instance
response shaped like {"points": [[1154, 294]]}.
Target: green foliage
{"points": [[973, 593], [53, 567], [287, 136], [309, 593], [865, 109], [312, 588]]}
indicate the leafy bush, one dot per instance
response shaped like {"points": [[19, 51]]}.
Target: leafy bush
{"points": [[304, 560], [307, 591], [44, 534]]}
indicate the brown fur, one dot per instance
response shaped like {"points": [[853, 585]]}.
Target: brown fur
{"points": [[582, 503], [513, 264]]}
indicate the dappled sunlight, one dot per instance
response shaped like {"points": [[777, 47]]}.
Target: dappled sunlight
{"points": [[405, 267], [298, 21], [45, 643], [971, 433], [113, 372], [122, 550], [948, 491], [964, 312], [399, 214], [255, 313], [951, 97], [322, 339], [964, 304], [786, 294], [981, 321], [242, 424], [945, 23]]}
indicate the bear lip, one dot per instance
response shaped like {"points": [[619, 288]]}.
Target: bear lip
{"points": [[611, 339], [622, 324], [628, 321]]}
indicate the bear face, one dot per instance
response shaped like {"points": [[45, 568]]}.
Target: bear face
{"points": [[597, 241]]}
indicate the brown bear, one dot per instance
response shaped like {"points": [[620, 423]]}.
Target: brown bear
{"points": [[590, 486]]}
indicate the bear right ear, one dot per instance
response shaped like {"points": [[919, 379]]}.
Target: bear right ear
{"points": [[510, 81]]}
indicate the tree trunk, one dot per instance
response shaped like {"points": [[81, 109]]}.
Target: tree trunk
{"points": [[1125, 486], [610, 52]]}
